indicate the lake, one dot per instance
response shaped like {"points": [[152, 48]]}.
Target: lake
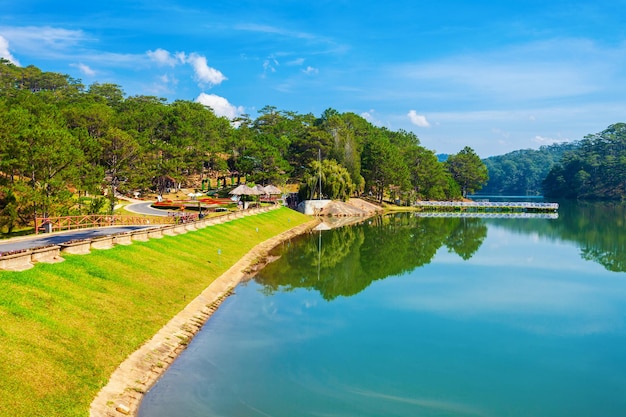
{"points": [[406, 315]]}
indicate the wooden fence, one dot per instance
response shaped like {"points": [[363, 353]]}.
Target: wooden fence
{"points": [[58, 224]]}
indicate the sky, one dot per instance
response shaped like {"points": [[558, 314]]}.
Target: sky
{"points": [[493, 75]]}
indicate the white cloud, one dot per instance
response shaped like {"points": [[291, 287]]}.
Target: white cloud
{"points": [[270, 64], [204, 73], [371, 117], [548, 141], [221, 106], [500, 132], [44, 41], [85, 69], [163, 57], [417, 119], [297, 61], [310, 70], [560, 68], [5, 53], [166, 79]]}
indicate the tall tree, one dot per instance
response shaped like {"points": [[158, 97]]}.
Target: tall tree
{"points": [[333, 178], [467, 170], [383, 166]]}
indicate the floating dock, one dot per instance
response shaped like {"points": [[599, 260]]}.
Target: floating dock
{"points": [[488, 207]]}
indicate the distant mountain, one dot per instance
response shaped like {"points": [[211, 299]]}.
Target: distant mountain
{"points": [[522, 172]]}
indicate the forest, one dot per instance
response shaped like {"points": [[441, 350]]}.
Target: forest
{"points": [[593, 168], [67, 148], [521, 172]]}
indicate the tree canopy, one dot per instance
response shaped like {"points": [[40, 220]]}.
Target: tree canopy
{"points": [[61, 141], [467, 170], [522, 172], [595, 169]]}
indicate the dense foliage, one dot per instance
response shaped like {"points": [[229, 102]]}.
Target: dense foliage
{"points": [[592, 168], [61, 141], [522, 172], [467, 170], [595, 169]]}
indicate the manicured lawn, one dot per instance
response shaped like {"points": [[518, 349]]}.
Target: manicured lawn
{"points": [[65, 327]]}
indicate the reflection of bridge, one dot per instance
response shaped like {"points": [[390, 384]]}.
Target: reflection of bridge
{"points": [[480, 206], [483, 215]]}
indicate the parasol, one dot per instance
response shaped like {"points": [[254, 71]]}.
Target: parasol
{"points": [[260, 189], [272, 190], [243, 189]]}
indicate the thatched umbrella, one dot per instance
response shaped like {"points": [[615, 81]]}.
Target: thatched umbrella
{"points": [[260, 189], [272, 190], [243, 189]]}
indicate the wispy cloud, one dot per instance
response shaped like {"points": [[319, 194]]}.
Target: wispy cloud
{"points": [[531, 72], [163, 57], [270, 64], [310, 70], [84, 69], [44, 40], [297, 61], [549, 141], [274, 30], [371, 117]]}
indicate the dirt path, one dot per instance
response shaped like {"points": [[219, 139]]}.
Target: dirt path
{"points": [[128, 383]]}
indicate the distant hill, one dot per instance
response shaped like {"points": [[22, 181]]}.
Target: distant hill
{"points": [[522, 172], [595, 169]]}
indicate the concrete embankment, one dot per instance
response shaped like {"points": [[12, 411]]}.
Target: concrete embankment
{"points": [[134, 377]]}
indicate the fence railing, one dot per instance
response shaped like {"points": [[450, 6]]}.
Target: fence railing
{"points": [[57, 224]]}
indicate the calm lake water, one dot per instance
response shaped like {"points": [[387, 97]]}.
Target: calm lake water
{"points": [[417, 316]]}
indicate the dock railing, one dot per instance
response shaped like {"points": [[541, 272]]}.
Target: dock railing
{"points": [[488, 206]]}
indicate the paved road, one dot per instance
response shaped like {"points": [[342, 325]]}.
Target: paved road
{"points": [[37, 241], [145, 208], [41, 240]]}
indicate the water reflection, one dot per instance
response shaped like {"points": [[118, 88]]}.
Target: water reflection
{"points": [[396, 244], [345, 261], [597, 228]]}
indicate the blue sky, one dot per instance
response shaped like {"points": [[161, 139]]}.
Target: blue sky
{"points": [[493, 75]]}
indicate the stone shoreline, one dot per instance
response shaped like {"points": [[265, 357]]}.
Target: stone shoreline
{"points": [[140, 371]]}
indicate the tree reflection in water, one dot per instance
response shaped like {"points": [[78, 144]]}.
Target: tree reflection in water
{"points": [[345, 261], [597, 228]]}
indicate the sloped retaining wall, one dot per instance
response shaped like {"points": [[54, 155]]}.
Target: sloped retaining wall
{"points": [[26, 259]]}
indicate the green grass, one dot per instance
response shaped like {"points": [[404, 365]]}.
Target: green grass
{"points": [[65, 327]]}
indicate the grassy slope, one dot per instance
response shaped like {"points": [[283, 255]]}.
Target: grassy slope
{"points": [[65, 327]]}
